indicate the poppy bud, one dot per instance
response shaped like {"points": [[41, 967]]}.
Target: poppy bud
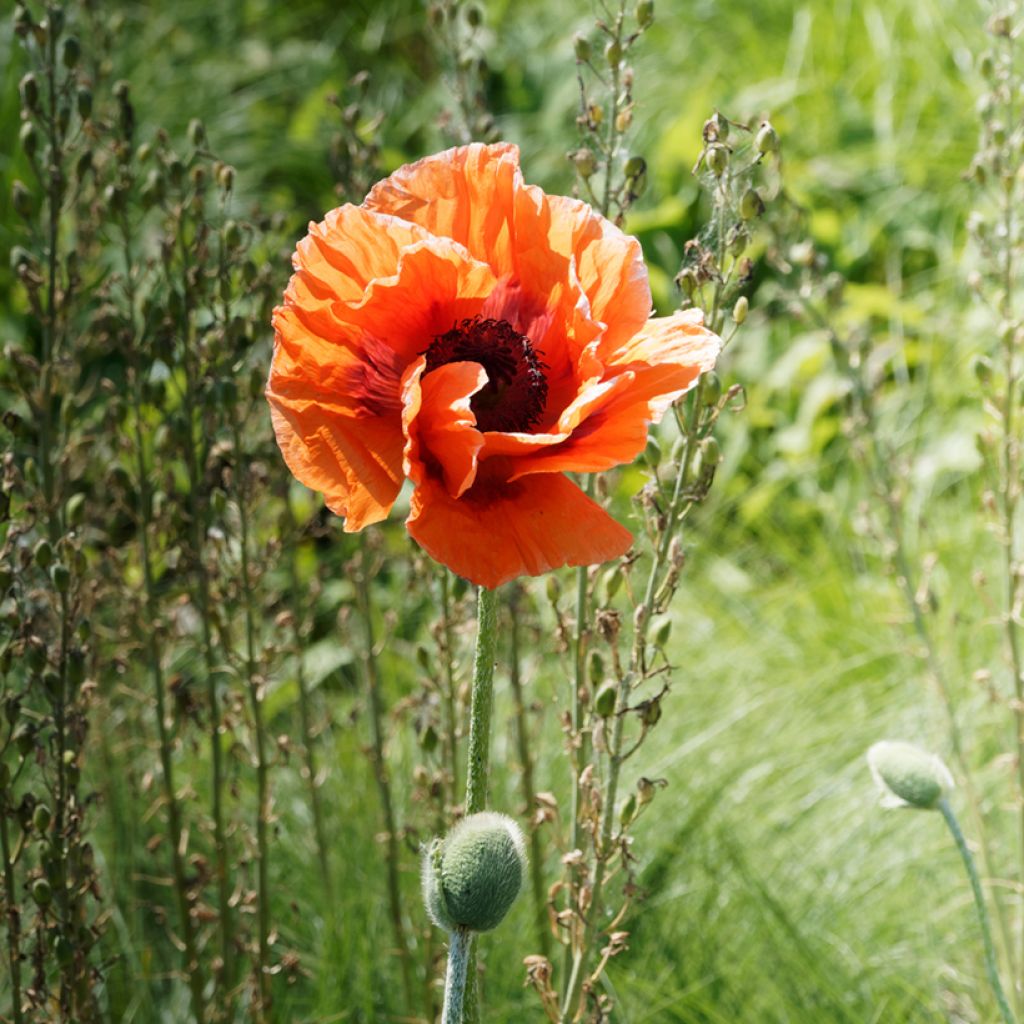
{"points": [[767, 139], [472, 877], [909, 776], [582, 48]]}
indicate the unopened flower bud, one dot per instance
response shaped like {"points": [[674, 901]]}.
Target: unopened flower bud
{"points": [[43, 554], [1000, 24], [83, 101], [909, 776], [29, 89], [613, 53], [584, 161], [474, 16], [635, 166], [716, 128], [687, 281], [232, 234], [740, 310], [29, 139], [767, 139], [472, 877], [711, 388], [196, 133], [645, 13], [61, 576], [581, 47], [70, 51], [42, 892], [751, 204], [21, 199], [717, 159], [604, 703], [41, 818]]}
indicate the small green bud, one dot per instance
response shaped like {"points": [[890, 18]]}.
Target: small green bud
{"points": [[767, 139], [24, 739], [909, 776], [41, 818], [717, 159], [983, 369], [43, 554], [83, 100], [232, 234], [740, 310], [613, 53], [628, 810], [21, 199], [196, 133], [554, 589], [687, 281], [70, 51], [28, 87], [751, 204], [711, 390], [604, 703], [74, 510], [582, 48], [610, 584], [584, 161], [645, 13], [22, 21], [42, 893], [226, 177], [652, 453], [474, 16], [662, 630], [635, 166], [595, 667], [29, 138], [472, 877], [716, 128], [61, 576]]}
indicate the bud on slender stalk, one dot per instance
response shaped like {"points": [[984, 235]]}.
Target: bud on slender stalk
{"points": [[909, 776]]}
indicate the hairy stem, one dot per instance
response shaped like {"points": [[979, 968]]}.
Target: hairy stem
{"points": [[979, 903], [478, 772], [455, 977]]}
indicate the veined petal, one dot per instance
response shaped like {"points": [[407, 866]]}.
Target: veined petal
{"points": [[499, 530]]}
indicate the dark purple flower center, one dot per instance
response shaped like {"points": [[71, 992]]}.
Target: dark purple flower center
{"points": [[513, 397]]}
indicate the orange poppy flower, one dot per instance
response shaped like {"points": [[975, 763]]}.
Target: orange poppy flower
{"points": [[465, 331]]}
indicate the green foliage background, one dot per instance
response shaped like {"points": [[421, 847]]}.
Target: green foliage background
{"points": [[776, 890]]}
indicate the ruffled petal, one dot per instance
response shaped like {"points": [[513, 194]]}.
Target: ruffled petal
{"points": [[355, 463], [499, 530], [439, 426]]}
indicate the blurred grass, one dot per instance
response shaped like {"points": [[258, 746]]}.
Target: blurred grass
{"points": [[777, 891]]}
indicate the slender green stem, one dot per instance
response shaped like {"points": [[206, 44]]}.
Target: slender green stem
{"points": [[448, 657], [481, 702], [380, 770], [529, 792], [455, 977], [979, 903]]}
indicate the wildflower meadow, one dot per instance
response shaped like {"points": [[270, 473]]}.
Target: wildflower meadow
{"points": [[512, 512]]}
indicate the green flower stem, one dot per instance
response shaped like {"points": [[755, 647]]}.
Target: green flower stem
{"points": [[481, 702], [979, 902], [459, 943]]}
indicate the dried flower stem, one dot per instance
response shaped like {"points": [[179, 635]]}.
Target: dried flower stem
{"points": [[12, 914], [540, 907], [979, 903], [193, 969], [255, 686], [478, 772], [380, 769]]}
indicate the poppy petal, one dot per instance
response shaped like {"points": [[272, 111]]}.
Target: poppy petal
{"points": [[498, 530], [440, 427]]}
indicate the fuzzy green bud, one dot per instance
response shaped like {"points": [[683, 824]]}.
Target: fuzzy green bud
{"points": [[472, 877], [711, 390], [767, 139], [909, 776], [740, 310]]}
